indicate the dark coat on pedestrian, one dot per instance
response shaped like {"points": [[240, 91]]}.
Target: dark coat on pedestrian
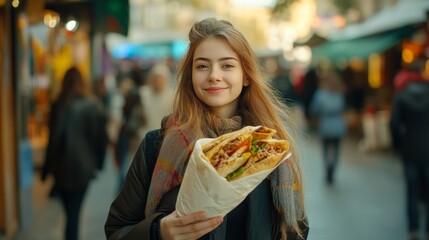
{"points": [[77, 142], [410, 123], [127, 218]]}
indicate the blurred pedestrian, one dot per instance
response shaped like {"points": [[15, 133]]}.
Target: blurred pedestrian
{"points": [[221, 90], [100, 91], [157, 96], [77, 145], [133, 120], [410, 131], [328, 105], [309, 87]]}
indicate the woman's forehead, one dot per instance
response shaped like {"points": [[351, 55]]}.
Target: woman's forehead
{"points": [[214, 49]]}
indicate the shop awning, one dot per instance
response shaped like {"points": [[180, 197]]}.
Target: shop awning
{"points": [[313, 41], [362, 47]]}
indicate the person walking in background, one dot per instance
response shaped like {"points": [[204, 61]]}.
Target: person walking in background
{"points": [[101, 91], [76, 147], [221, 90], [157, 96], [310, 85], [410, 131], [328, 105], [133, 120], [281, 81]]}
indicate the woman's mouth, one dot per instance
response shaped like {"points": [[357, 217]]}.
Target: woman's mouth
{"points": [[214, 89]]}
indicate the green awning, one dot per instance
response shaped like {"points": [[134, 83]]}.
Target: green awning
{"points": [[362, 47]]}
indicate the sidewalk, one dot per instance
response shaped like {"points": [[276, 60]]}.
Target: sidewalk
{"points": [[365, 203], [367, 200], [49, 219]]}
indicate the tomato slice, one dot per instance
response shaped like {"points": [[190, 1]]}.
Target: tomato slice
{"points": [[240, 145]]}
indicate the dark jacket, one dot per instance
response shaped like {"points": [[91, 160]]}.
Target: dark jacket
{"points": [[77, 142], [127, 220], [410, 122]]}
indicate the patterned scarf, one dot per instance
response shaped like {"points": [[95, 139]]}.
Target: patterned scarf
{"points": [[173, 158]]}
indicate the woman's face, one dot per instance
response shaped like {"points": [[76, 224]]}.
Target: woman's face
{"points": [[217, 76]]}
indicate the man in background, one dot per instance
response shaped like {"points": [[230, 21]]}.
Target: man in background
{"points": [[410, 131]]}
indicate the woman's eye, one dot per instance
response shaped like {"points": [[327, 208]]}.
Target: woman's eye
{"points": [[228, 66], [201, 66]]}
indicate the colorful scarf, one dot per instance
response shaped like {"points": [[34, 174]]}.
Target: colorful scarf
{"points": [[173, 158]]}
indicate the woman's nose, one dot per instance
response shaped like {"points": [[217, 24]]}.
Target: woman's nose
{"points": [[215, 74]]}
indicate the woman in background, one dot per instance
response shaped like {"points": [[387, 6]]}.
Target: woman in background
{"points": [[328, 104], [77, 145]]}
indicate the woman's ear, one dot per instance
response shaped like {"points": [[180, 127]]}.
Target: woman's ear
{"points": [[246, 82]]}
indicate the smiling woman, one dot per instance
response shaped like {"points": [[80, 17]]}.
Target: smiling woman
{"points": [[221, 90], [217, 76]]}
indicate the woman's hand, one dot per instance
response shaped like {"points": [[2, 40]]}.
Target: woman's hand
{"points": [[192, 226]]}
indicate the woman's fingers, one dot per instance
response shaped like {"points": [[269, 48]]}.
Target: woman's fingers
{"points": [[197, 230], [197, 226], [185, 220], [191, 226]]}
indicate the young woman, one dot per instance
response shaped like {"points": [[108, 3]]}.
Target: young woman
{"points": [[221, 89]]}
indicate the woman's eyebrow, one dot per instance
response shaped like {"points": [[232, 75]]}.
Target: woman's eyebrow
{"points": [[220, 59]]}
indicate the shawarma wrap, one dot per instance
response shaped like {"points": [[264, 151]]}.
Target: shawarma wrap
{"points": [[245, 152], [222, 171]]}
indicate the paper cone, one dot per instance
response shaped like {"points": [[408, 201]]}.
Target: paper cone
{"points": [[203, 189]]}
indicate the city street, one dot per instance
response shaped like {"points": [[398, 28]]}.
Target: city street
{"points": [[123, 64], [365, 202]]}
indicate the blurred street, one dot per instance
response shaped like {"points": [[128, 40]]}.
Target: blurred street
{"points": [[344, 65], [365, 202]]}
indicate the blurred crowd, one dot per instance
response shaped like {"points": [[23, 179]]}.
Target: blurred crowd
{"points": [[138, 103]]}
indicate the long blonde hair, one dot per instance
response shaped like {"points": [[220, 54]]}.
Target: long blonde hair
{"points": [[258, 102]]}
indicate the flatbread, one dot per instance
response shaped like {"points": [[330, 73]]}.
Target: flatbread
{"points": [[258, 133], [263, 133], [255, 165], [214, 146], [262, 165], [241, 158]]}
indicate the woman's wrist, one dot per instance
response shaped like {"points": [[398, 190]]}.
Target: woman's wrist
{"points": [[155, 229]]}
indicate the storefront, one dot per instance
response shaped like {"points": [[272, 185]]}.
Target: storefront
{"points": [[33, 58], [39, 40], [369, 65], [8, 177], [45, 47]]}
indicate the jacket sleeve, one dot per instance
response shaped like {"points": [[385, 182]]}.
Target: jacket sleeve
{"points": [[126, 218]]}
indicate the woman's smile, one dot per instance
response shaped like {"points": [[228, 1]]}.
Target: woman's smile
{"points": [[215, 89]]}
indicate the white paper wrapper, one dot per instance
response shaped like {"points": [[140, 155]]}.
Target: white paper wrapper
{"points": [[203, 189]]}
